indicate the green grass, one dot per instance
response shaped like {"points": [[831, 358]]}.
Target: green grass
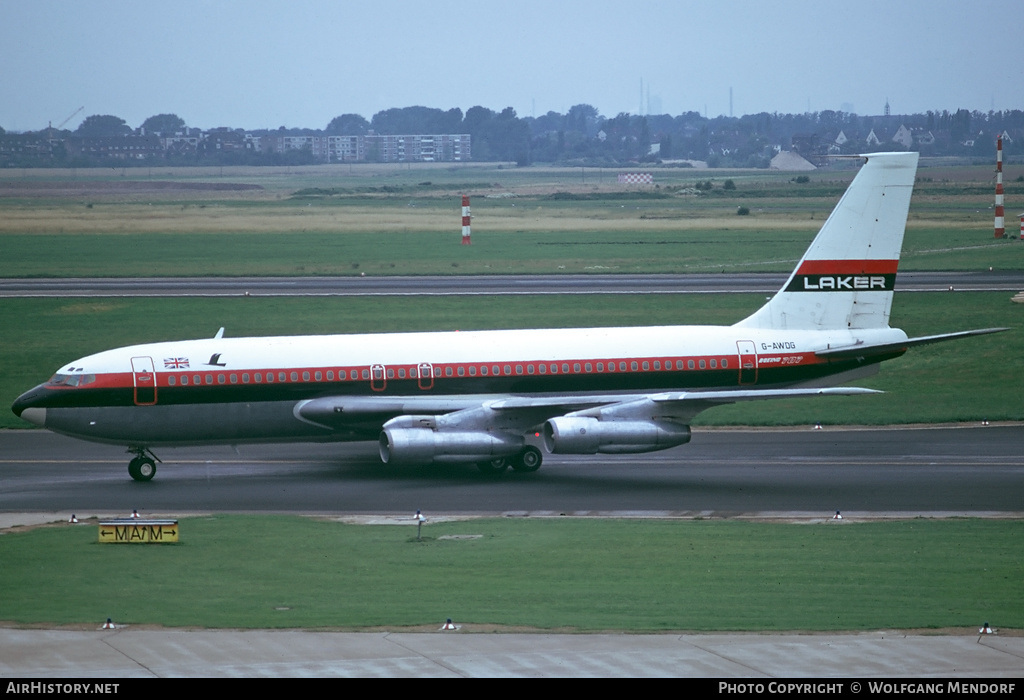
{"points": [[963, 380], [404, 252], [237, 571], [396, 220]]}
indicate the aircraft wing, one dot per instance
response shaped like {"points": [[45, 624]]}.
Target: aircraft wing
{"points": [[518, 414], [863, 350], [679, 406]]}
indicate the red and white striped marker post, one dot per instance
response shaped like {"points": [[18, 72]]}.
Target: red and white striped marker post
{"points": [[465, 220], [999, 223]]}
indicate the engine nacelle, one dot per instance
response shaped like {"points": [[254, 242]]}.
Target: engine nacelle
{"points": [[426, 446], [580, 435]]}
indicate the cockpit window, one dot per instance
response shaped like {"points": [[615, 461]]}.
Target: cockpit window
{"points": [[71, 379]]}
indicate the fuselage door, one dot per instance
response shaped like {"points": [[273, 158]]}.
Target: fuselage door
{"points": [[748, 361], [378, 379], [144, 380], [425, 376]]}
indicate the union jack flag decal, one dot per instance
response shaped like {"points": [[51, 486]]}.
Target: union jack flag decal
{"points": [[175, 363]]}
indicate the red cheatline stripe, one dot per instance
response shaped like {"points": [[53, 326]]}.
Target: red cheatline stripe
{"points": [[563, 367], [848, 267]]}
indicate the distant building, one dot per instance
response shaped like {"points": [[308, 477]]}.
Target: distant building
{"points": [[380, 148], [418, 147], [788, 160], [21, 147], [903, 136], [131, 147]]}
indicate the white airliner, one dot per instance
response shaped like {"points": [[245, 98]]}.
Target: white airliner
{"points": [[482, 396]]}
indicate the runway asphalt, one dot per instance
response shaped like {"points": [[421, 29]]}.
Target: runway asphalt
{"points": [[462, 285], [720, 473]]}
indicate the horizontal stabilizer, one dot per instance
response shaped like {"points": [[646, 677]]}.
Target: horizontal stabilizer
{"points": [[888, 348]]}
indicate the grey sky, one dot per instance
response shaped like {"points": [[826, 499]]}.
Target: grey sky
{"points": [[299, 63]]}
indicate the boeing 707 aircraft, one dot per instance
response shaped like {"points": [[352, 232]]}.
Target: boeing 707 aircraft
{"points": [[481, 396]]}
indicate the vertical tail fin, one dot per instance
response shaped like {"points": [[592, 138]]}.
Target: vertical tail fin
{"points": [[846, 277]]}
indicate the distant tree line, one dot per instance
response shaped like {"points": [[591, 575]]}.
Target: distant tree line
{"points": [[581, 136]]}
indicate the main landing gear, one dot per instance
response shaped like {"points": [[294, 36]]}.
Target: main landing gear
{"points": [[143, 465], [527, 460]]}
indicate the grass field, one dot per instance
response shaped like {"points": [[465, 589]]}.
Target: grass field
{"points": [[966, 380], [572, 574], [406, 220]]}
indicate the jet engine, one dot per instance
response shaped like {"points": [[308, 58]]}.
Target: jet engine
{"points": [[583, 435], [426, 445]]}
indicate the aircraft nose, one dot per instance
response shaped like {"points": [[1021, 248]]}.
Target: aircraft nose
{"points": [[25, 407]]}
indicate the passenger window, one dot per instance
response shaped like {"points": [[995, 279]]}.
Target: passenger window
{"points": [[725, 364], [702, 364], [647, 365], [689, 364], [171, 380], [234, 379], [282, 377], [714, 364]]}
